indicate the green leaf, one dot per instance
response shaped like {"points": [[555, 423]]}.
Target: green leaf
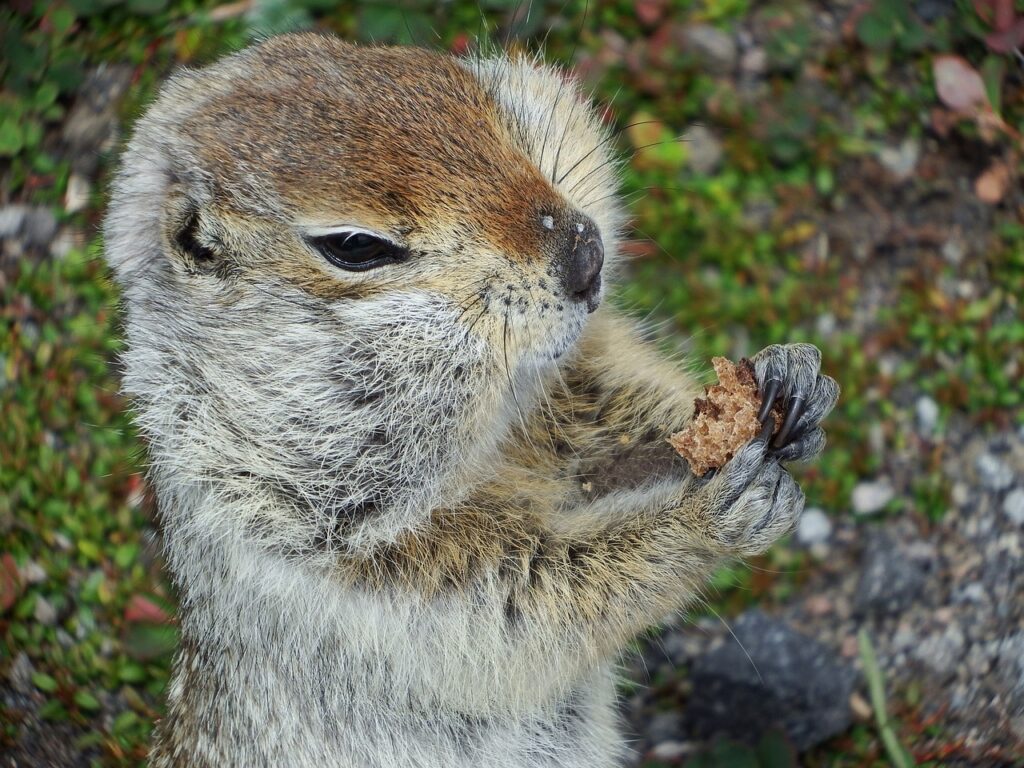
{"points": [[86, 700], [124, 722], [11, 138], [728, 754], [45, 95], [89, 550], [145, 642], [775, 751], [126, 554], [53, 710], [146, 7], [61, 18], [875, 31], [992, 70], [131, 672], [44, 682]]}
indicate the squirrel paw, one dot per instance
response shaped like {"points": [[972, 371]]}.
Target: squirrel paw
{"points": [[791, 372], [752, 500]]}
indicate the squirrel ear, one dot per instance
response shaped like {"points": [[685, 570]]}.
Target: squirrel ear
{"points": [[191, 240], [192, 246]]}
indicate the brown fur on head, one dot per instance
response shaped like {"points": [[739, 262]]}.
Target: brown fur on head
{"points": [[402, 141], [488, 172]]}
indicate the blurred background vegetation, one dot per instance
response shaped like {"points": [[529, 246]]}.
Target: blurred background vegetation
{"points": [[842, 173]]}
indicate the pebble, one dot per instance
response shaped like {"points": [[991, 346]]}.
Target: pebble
{"points": [[34, 225], [931, 11], [993, 472], [942, 652], [814, 528], [76, 197], [670, 750], [960, 494], [20, 673], [715, 50], [11, 219], [889, 581], [902, 160], [1013, 506], [32, 572], [666, 726], [954, 250], [927, 412], [871, 497], [44, 612], [703, 149], [754, 61]]}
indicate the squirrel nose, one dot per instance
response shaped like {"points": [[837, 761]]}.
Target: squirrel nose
{"points": [[584, 259]]}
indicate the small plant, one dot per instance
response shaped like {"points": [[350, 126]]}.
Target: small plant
{"points": [[891, 25], [876, 687]]}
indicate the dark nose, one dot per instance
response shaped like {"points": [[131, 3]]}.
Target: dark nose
{"points": [[585, 257]]}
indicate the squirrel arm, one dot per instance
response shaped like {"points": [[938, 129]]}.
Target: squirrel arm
{"points": [[534, 597], [607, 416]]}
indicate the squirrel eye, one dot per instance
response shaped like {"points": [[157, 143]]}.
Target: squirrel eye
{"points": [[358, 251]]}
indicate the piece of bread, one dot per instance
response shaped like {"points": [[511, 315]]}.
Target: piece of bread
{"points": [[724, 420]]}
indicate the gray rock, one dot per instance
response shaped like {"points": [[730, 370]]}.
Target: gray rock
{"points": [[33, 573], [34, 225], [715, 50], [932, 10], [871, 497], [993, 473], [1010, 668], [91, 124], [814, 528], [943, 652], [76, 197], [954, 250], [889, 579], [902, 160], [703, 149], [1013, 506], [20, 673], [665, 726], [770, 676], [45, 613], [40, 227], [754, 61], [12, 218], [927, 412]]}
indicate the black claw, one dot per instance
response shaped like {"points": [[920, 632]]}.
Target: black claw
{"points": [[795, 410], [771, 391], [767, 428]]}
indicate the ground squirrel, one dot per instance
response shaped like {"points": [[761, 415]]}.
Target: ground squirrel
{"points": [[413, 478]]}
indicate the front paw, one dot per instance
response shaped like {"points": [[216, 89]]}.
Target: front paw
{"points": [[790, 373], [751, 501]]}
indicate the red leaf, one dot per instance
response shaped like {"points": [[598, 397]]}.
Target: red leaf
{"points": [[1004, 14], [649, 12], [11, 582], [142, 610], [958, 84], [1008, 40]]}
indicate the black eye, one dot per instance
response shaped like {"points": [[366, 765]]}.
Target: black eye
{"points": [[358, 251]]}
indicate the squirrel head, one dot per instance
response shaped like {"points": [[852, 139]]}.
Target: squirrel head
{"points": [[311, 218]]}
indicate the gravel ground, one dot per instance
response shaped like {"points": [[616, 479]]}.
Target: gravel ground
{"points": [[940, 600]]}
